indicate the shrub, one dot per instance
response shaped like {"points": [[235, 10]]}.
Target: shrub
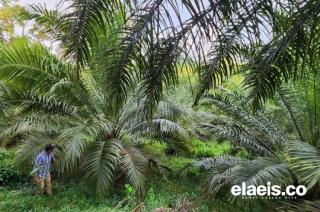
{"points": [[209, 148], [8, 171]]}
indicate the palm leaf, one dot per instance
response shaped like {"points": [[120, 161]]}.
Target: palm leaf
{"points": [[84, 19], [100, 164], [304, 162], [31, 66], [224, 172], [135, 166], [285, 56]]}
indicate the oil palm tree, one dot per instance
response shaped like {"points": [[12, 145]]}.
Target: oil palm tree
{"points": [[212, 36], [272, 155], [47, 103], [140, 44], [256, 134]]}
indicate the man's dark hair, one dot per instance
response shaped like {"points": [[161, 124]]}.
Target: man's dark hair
{"points": [[49, 147]]}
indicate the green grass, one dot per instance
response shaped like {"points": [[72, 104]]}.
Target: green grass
{"points": [[173, 191], [71, 197], [66, 198], [209, 148]]}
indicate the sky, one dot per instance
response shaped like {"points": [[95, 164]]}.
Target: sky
{"points": [[52, 4], [49, 3], [56, 4]]}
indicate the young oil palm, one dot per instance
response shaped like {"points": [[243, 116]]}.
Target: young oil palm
{"points": [[272, 155], [53, 105]]}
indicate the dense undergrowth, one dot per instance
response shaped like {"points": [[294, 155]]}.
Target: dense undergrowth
{"points": [[181, 188]]}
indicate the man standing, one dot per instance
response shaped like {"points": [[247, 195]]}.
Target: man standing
{"points": [[42, 164]]}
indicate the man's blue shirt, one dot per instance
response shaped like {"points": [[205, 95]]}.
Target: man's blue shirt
{"points": [[43, 162]]}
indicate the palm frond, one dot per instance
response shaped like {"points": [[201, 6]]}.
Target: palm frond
{"points": [[135, 167], [21, 125], [240, 136], [285, 97], [224, 172], [96, 98], [304, 205], [284, 57], [74, 142], [86, 17], [304, 162], [31, 66], [161, 129], [100, 164], [30, 102], [160, 70], [257, 122], [50, 20], [170, 110], [223, 63]]}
